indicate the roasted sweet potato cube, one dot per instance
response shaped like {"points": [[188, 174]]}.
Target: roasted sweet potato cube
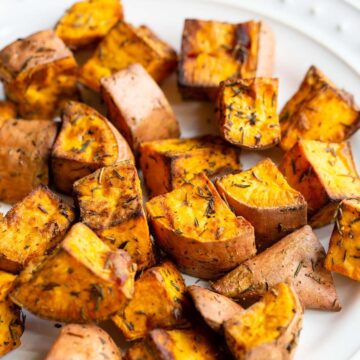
{"points": [[7, 111], [12, 321], [125, 45], [246, 112], [83, 281], [88, 341], [344, 249], [159, 302], [324, 173], [24, 157], [213, 307], [174, 344], [214, 51], [298, 257], [110, 201], [88, 21], [263, 197], [167, 164], [197, 229], [87, 141], [318, 111], [39, 73], [269, 329], [145, 118]]}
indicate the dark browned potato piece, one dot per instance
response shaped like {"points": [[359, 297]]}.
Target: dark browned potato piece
{"points": [[298, 257], [24, 156], [83, 342], [139, 118]]}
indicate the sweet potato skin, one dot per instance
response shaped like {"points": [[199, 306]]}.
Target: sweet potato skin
{"points": [[247, 112], [32, 228], [24, 156], [138, 119], [42, 77], [110, 202], [263, 197], [83, 281], [199, 231], [159, 302], [83, 342], [88, 21], [282, 306], [214, 308], [318, 99], [86, 142], [125, 45], [168, 164], [213, 51], [298, 257], [324, 173], [343, 254]]}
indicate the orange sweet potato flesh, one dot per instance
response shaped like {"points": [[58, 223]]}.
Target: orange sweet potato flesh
{"points": [[7, 111], [324, 173]]}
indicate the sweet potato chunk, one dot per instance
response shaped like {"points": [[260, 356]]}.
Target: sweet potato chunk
{"points": [[125, 45], [145, 118], [298, 257], [110, 201], [167, 164], [82, 281], [83, 342], [344, 250], [214, 51], [39, 73], [88, 21], [246, 112], [199, 231], [87, 141], [318, 111], [263, 197], [7, 111], [159, 302], [24, 156], [32, 228], [12, 322], [213, 307], [324, 173], [269, 329], [174, 345]]}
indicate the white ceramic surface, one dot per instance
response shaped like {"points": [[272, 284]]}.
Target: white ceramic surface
{"points": [[321, 32]]}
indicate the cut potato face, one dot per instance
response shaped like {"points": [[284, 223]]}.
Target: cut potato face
{"points": [[214, 51], [82, 281], [344, 250], [298, 257], [151, 119], [7, 111], [88, 342], [12, 321], [324, 173], [110, 201], [318, 111], [86, 142], [88, 21], [173, 344], [168, 164], [196, 228], [39, 74], [263, 197], [159, 302], [214, 308], [24, 157], [125, 45], [269, 329], [247, 112], [33, 228]]}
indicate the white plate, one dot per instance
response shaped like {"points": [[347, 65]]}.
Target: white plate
{"points": [[322, 32]]}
